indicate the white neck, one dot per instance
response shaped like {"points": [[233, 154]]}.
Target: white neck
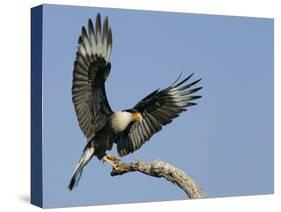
{"points": [[120, 121]]}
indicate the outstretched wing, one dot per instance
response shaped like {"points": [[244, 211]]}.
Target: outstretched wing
{"points": [[91, 69], [158, 109]]}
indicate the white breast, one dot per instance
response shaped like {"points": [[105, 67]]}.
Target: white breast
{"points": [[120, 121]]}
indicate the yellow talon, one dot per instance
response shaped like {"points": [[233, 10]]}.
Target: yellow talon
{"points": [[111, 157]]}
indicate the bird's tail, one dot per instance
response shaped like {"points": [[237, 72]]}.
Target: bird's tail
{"points": [[85, 158]]}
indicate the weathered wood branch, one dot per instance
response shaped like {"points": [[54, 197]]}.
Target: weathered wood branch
{"points": [[159, 168]]}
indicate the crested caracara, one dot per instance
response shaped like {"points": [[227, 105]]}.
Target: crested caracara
{"points": [[128, 129]]}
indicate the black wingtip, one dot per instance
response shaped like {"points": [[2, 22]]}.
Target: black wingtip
{"points": [[90, 24], [84, 31], [184, 80], [190, 104], [98, 24], [71, 184], [98, 18], [80, 39], [177, 78], [195, 82], [197, 89], [194, 97]]}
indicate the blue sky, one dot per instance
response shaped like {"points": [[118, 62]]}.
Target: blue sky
{"points": [[225, 143]]}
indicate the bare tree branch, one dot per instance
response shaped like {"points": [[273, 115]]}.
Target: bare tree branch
{"points": [[159, 168]]}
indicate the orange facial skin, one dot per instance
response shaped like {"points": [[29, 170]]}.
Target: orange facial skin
{"points": [[137, 116]]}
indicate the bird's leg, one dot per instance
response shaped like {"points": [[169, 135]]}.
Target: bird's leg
{"points": [[110, 159]]}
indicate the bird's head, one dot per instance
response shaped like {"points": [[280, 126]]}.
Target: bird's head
{"points": [[136, 115]]}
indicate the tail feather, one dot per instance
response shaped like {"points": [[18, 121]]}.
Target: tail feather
{"points": [[75, 177], [86, 157]]}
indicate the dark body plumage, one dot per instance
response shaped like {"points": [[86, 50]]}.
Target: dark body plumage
{"points": [[130, 128]]}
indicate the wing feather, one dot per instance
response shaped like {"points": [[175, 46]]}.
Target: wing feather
{"points": [[158, 109], [91, 69]]}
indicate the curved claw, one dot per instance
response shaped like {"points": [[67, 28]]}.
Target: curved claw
{"points": [[110, 159]]}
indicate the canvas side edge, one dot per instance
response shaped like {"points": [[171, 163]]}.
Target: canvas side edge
{"points": [[36, 194]]}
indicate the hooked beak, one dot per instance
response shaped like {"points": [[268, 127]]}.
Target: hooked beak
{"points": [[137, 116]]}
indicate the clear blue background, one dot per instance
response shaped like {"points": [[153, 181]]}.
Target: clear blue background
{"points": [[225, 143]]}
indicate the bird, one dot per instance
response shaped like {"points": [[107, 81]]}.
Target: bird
{"points": [[128, 129]]}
